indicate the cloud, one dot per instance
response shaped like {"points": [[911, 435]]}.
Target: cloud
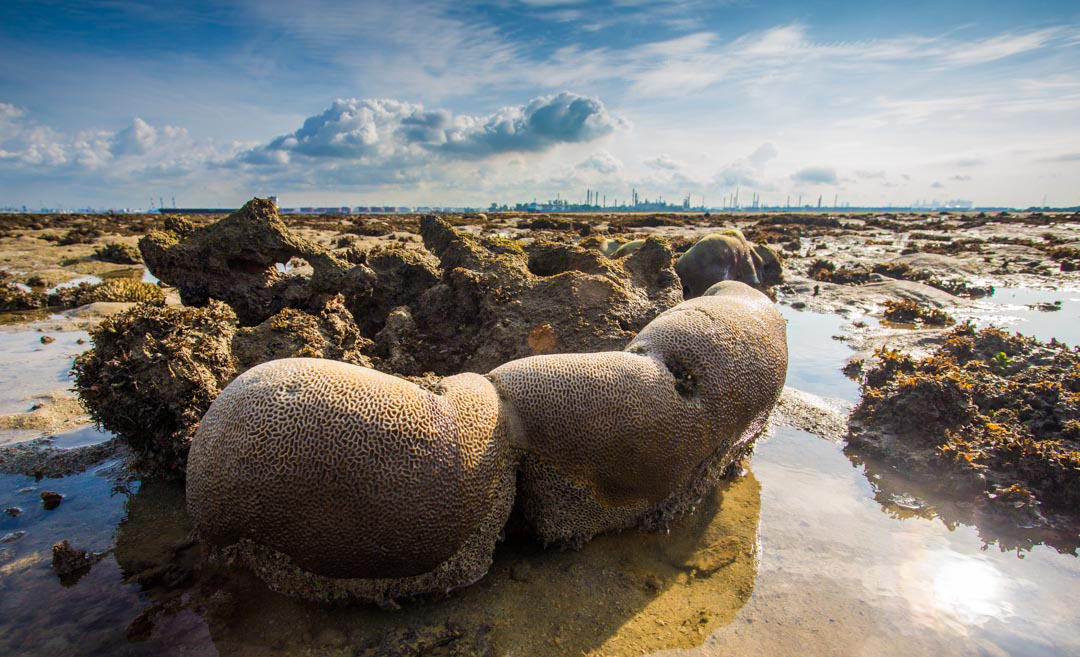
{"points": [[870, 173], [960, 178], [101, 159], [1064, 157], [693, 62], [374, 131], [763, 154], [136, 139], [816, 175], [602, 162], [967, 162], [663, 162], [737, 174], [937, 185]]}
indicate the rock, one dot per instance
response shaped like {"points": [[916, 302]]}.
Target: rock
{"points": [[13, 511], [234, 260], [151, 374], [51, 499], [11, 537], [493, 295], [47, 339], [69, 563]]}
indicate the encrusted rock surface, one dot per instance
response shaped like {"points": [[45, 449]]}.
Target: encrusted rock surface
{"points": [[464, 303], [493, 294], [235, 261]]}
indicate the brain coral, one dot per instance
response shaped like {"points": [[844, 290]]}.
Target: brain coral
{"points": [[726, 256], [336, 481], [618, 438]]}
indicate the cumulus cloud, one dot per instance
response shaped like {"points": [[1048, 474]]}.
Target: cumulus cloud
{"points": [[602, 162], [103, 161], [961, 178], [136, 139], [737, 174], [937, 185], [816, 175], [375, 131]]}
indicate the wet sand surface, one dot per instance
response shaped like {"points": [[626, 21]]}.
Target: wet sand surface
{"points": [[810, 551]]}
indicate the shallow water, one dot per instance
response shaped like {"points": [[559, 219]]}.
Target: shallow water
{"points": [[812, 552], [29, 368], [75, 282], [815, 357], [1012, 308]]}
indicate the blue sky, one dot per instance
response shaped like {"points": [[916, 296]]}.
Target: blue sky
{"points": [[110, 103]]}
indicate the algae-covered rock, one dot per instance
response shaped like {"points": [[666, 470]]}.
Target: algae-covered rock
{"points": [[154, 370], [727, 256], [118, 253], [152, 373], [15, 298], [990, 416], [293, 333], [471, 301]]}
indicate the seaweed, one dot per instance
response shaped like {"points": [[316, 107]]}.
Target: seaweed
{"points": [[910, 312], [991, 416], [117, 253]]}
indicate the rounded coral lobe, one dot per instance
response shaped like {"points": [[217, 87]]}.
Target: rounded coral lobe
{"points": [[615, 437], [349, 472]]}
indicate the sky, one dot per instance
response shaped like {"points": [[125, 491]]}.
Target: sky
{"points": [[116, 103]]}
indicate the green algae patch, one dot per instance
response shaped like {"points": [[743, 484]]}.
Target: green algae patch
{"points": [[991, 416]]}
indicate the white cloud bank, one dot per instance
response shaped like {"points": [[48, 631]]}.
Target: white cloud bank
{"points": [[377, 132]]}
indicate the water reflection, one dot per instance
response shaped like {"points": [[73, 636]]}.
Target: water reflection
{"points": [[1018, 309], [902, 497], [815, 357], [628, 593]]}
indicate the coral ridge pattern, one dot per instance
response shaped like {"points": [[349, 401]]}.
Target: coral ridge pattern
{"points": [[336, 481]]}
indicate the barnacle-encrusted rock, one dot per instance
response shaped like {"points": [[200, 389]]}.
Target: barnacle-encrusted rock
{"points": [[618, 438], [727, 256], [154, 369], [334, 481]]}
